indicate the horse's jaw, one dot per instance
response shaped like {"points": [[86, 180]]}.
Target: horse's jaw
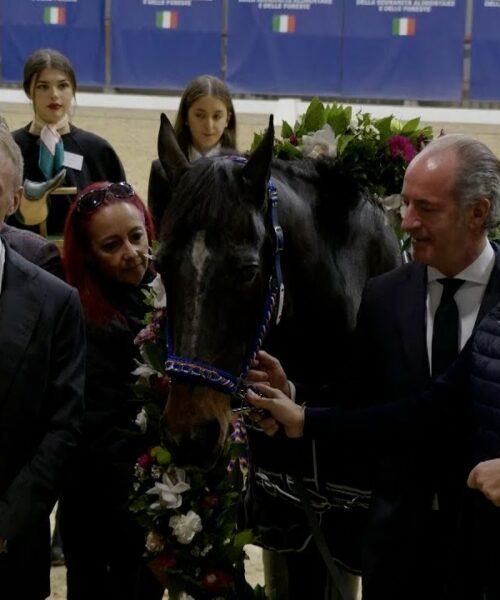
{"points": [[197, 422]]}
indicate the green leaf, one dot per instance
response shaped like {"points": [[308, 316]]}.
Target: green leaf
{"points": [[243, 538], [257, 139], [161, 455], [384, 125], [288, 150], [343, 143], [286, 130], [339, 122], [314, 118], [411, 126]]}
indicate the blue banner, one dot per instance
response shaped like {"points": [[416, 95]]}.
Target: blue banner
{"points": [[398, 49], [74, 27], [165, 43], [485, 51], [285, 47]]}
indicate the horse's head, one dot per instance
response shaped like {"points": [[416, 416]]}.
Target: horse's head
{"points": [[215, 260]]}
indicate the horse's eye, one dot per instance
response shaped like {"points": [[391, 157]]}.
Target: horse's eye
{"points": [[247, 274]]}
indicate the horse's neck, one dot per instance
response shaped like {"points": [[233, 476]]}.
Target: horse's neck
{"points": [[317, 311]]}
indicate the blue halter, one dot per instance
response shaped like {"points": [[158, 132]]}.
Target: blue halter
{"points": [[200, 372]]}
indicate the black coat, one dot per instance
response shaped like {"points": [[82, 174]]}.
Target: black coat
{"points": [[407, 555], [42, 351], [35, 248], [102, 543]]}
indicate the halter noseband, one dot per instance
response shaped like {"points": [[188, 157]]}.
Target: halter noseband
{"points": [[200, 372]]}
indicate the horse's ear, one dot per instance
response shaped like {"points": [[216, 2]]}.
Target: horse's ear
{"points": [[257, 171], [171, 156]]}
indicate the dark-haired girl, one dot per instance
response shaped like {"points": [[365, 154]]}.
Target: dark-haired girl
{"points": [[106, 239], [205, 125], [50, 83]]}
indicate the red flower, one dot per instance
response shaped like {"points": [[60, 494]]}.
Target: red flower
{"points": [[217, 581], [165, 561], [400, 145], [162, 386], [210, 501], [293, 140], [145, 461]]}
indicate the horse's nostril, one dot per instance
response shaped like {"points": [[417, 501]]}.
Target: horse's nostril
{"points": [[200, 449], [208, 433]]}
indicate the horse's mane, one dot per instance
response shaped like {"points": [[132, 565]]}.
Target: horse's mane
{"points": [[213, 196]]}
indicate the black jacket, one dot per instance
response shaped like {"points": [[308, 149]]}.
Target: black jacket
{"points": [[35, 248], [409, 433], [42, 351]]}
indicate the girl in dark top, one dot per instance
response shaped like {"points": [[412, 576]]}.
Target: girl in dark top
{"points": [[106, 239], [50, 83], [205, 125]]}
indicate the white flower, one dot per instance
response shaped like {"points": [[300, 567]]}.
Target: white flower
{"points": [[154, 542], [143, 370], [320, 143], [206, 550], [156, 472], [185, 527], [159, 295], [142, 421], [185, 596], [169, 490], [393, 202]]}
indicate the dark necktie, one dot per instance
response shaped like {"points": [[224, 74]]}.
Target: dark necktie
{"points": [[445, 342]]}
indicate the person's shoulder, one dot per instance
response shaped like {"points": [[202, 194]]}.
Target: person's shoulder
{"points": [[395, 277], [43, 279], [89, 139], [20, 239], [23, 136]]}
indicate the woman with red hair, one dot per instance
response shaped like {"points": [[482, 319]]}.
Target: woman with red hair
{"points": [[107, 236]]}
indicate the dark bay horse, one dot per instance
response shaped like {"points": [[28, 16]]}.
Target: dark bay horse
{"points": [[216, 258]]}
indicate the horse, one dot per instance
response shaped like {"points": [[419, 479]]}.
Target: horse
{"points": [[218, 253]]}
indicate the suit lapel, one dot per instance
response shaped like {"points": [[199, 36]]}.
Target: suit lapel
{"points": [[411, 320], [492, 294], [20, 305]]}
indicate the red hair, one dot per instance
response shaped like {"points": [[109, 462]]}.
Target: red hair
{"points": [[76, 246]]}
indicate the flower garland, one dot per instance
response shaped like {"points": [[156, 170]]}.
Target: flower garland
{"points": [[374, 151], [189, 516]]}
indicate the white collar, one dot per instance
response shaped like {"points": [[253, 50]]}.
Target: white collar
{"points": [[195, 154], [2, 263], [478, 271]]}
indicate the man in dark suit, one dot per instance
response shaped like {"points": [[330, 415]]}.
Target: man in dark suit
{"points": [[411, 325], [33, 247], [41, 400]]}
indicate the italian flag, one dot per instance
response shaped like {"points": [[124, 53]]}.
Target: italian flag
{"points": [[52, 15], [403, 27], [284, 23], [167, 19]]}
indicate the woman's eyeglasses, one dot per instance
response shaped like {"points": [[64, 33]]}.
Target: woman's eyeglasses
{"points": [[93, 199]]}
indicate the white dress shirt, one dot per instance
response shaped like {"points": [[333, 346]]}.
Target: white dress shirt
{"points": [[195, 155], [468, 297]]}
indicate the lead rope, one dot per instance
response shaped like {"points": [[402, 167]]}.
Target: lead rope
{"points": [[336, 575]]}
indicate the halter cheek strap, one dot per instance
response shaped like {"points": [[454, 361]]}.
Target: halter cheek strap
{"points": [[199, 372]]}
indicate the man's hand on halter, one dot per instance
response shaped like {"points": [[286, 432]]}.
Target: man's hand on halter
{"points": [[267, 369], [485, 477], [282, 409]]}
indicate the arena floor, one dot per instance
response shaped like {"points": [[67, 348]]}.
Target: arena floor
{"points": [[133, 132]]}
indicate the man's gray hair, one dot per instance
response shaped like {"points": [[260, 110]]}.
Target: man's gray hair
{"points": [[477, 174], [10, 150]]}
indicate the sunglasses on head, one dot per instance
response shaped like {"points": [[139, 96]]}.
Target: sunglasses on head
{"points": [[93, 199]]}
